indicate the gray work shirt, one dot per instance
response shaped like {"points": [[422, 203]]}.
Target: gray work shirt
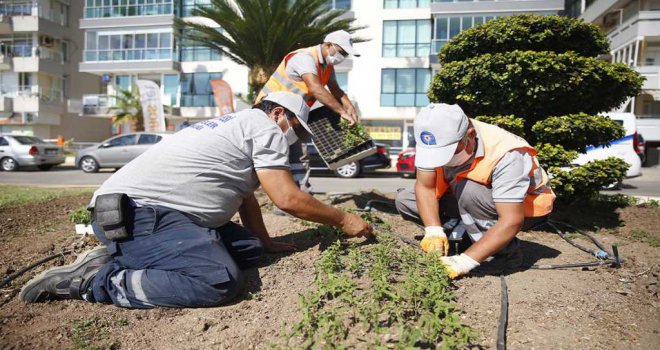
{"points": [[303, 63], [205, 170]]}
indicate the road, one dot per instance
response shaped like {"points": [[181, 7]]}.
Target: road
{"points": [[647, 185]]}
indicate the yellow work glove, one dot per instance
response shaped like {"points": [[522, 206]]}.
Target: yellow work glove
{"points": [[458, 265], [435, 240]]}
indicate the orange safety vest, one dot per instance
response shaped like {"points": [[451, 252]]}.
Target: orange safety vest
{"points": [[280, 81], [497, 142]]}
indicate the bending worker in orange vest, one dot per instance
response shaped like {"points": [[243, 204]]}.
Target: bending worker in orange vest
{"points": [[485, 178], [307, 72]]}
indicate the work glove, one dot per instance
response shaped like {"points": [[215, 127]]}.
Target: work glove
{"points": [[435, 240], [458, 265]]}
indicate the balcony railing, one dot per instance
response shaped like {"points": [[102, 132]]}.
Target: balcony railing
{"points": [[129, 55], [32, 9], [48, 95], [166, 8]]}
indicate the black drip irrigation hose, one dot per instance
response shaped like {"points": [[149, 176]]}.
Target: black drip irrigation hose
{"points": [[20, 272], [504, 315]]}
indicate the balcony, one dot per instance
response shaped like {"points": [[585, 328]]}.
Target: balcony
{"points": [[644, 24], [652, 75], [459, 7], [5, 24], [130, 60], [6, 105], [5, 62], [95, 105], [34, 99], [32, 60]]}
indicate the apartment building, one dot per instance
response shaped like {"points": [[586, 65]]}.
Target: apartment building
{"points": [[40, 47], [633, 28], [130, 40]]}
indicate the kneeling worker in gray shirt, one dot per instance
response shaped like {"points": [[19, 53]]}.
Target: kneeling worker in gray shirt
{"points": [[175, 245]]}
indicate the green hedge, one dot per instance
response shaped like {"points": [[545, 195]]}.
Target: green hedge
{"points": [[584, 181], [554, 155], [527, 32], [534, 85], [577, 131], [507, 122]]}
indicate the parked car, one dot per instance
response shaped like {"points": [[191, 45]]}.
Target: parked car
{"points": [[22, 151], [624, 148], [117, 151], [405, 164], [379, 160]]}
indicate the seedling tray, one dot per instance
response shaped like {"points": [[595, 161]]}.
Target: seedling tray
{"points": [[328, 139]]}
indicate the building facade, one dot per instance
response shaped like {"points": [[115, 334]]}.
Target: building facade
{"points": [[390, 80], [39, 53], [633, 29], [130, 40]]}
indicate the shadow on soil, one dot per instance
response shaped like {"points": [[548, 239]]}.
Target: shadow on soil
{"points": [[594, 214]]}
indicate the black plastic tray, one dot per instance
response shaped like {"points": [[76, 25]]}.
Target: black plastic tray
{"points": [[328, 139]]}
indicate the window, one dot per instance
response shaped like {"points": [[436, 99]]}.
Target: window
{"points": [[128, 46], [196, 89], [342, 80], [123, 8], [170, 87], [191, 52], [123, 82], [28, 140], [404, 87], [339, 4], [148, 139], [3, 142], [187, 6], [410, 38], [126, 140], [401, 4], [448, 27]]}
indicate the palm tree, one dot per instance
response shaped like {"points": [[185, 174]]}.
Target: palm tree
{"points": [[128, 108], [259, 33]]}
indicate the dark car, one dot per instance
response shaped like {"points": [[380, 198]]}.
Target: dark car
{"points": [[379, 160]]}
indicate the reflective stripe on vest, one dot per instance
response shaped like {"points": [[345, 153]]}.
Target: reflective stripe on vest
{"points": [[279, 81], [498, 142]]}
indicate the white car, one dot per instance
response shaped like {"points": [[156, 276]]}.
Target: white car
{"points": [[117, 151], [623, 148]]}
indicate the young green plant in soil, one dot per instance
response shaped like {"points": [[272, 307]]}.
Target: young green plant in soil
{"points": [[379, 295], [354, 135], [81, 216]]}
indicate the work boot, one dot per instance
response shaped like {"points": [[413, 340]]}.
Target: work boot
{"points": [[69, 281]]}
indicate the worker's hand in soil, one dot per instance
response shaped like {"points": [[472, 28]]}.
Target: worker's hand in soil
{"points": [[279, 247], [435, 240], [354, 226], [458, 265]]}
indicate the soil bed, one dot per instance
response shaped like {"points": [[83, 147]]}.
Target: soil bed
{"points": [[575, 308]]}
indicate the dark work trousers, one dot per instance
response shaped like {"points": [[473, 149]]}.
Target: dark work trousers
{"points": [[172, 262]]}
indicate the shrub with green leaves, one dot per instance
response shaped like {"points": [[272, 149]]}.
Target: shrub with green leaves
{"points": [[507, 122], [354, 135], [527, 32], [542, 72]]}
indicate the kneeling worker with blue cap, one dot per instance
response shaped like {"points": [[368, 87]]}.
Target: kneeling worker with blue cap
{"points": [[479, 178], [165, 217]]}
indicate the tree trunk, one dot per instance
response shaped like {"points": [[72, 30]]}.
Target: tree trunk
{"points": [[257, 78]]}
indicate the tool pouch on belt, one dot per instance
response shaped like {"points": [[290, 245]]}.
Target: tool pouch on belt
{"points": [[111, 212]]}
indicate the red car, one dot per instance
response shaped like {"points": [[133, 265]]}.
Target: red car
{"points": [[405, 164]]}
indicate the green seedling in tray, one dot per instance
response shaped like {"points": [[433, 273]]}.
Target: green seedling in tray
{"points": [[354, 135]]}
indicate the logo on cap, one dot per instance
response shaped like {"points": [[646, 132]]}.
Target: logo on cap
{"points": [[427, 138]]}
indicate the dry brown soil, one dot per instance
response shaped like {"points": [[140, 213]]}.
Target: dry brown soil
{"points": [[593, 308]]}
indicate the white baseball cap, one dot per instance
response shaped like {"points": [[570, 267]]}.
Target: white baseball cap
{"points": [[294, 103], [438, 128], [343, 39]]}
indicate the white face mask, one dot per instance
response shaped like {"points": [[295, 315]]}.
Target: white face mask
{"points": [[459, 158], [290, 134], [335, 59]]}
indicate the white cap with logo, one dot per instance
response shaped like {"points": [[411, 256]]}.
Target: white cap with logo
{"points": [[292, 102], [343, 39], [438, 128]]}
